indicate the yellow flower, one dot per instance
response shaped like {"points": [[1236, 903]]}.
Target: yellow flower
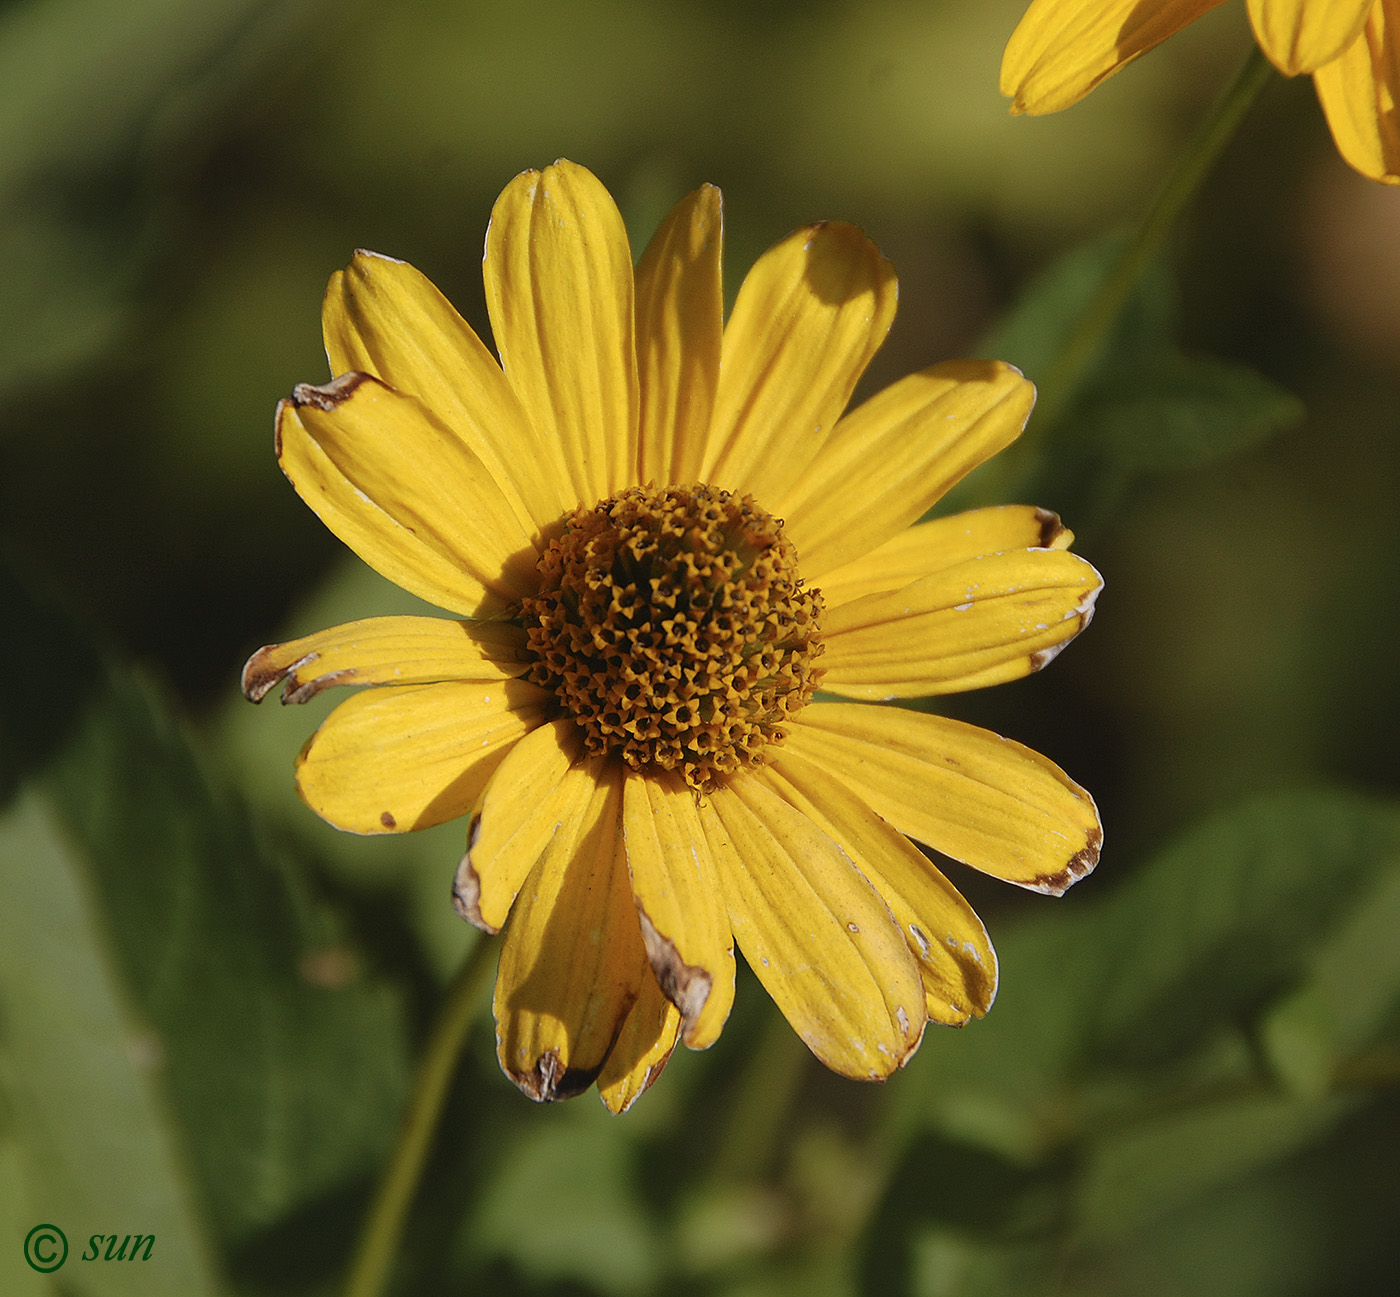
{"points": [[626, 713], [1064, 48]]}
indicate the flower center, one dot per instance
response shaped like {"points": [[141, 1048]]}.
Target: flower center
{"points": [[673, 627]]}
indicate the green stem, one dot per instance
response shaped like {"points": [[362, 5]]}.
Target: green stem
{"points": [[383, 1228], [770, 1085], [1065, 373]]}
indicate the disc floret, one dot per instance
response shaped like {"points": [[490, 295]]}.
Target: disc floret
{"points": [[673, 627]]}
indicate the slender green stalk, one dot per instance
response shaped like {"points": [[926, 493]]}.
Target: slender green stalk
{"points": [[770, 1084], [383, 1228], [1080, 348]]}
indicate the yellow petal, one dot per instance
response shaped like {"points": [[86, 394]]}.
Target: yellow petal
{"points": [[410, 756], [815, 932], [1360, 92], [536, 789], [809, 316], [965, 792], [684, 924], [891, 459], [983, 622], [1302, 35], [680, 309], [559, 292], [572, 964], [930, 547], [407, 496], [943, 932], [643, 1046], [386, 650], [1062, 49], [383, 317]]}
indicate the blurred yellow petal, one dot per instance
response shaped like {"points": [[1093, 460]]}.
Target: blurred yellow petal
{"points": [[1360, 93], [407, 496], [407, 757], [983, 622], [684, 924], [649, 1034], [1302, 35], [931, 547], [815, 933], [904, 448], [943, 932], [386, 650], [559, 292], [572, 964], [1062, 49], [680, 310], [970, 794], [383, 317], [535, 790], [808, 318]]}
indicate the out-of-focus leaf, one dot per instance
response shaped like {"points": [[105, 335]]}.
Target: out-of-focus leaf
{"points": [[286, 1059], [562, 1206], [1003, 1082], [17, 1218], [287, 1062], [1131, 1179], [1352, 988], [947, 1262], [1033, 333], [82, 1078], [1167, 412], [1217, 922], [943, 1218], [1254, 1237], [1134, 404], [259, 745]]}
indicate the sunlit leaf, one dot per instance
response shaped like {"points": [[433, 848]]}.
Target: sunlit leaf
{"points": [[83, 1076], [287, 1061]]}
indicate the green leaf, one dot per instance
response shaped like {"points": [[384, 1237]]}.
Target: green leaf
{"points": [[287, 1062], [1351, 990], [1132, 1179], [82, 1077], [1001, 1083], [1034, 332], [1167, 412], [1213, 926], [562, 1205]]}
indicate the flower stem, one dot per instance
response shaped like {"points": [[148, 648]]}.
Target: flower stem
{"points": [[383, 1228], [1080, 348], [766, 1093]]}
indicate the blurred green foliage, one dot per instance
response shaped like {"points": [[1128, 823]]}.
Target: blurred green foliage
{"points": [[210, 1002]]}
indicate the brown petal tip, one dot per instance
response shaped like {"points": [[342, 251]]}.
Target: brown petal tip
{"points": [[466, 886], [1051, 529], [1083, 614], [687, 986], [1079, 865], [328, 395], [550, 1080], [262, 673]]}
